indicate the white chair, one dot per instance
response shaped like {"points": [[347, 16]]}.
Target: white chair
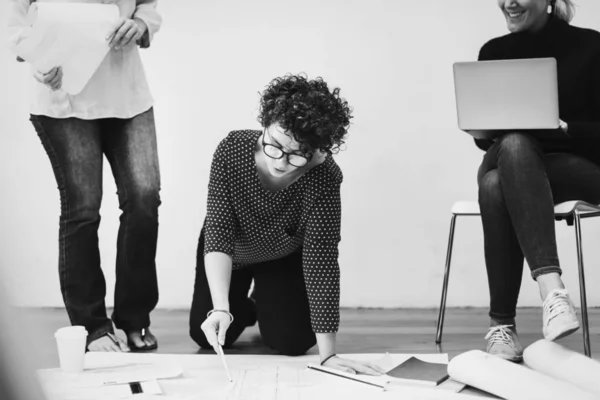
{"points": [[571, 211]]}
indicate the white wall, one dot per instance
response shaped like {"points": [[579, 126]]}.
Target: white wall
{"points": [[405, 163]]}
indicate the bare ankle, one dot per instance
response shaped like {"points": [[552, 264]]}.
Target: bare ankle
{"points": [[549, 282]]}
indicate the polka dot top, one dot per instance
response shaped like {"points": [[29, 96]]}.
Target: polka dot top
{"points": [[253, 224]]}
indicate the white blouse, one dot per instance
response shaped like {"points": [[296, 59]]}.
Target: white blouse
{"points": [[118, 88]]}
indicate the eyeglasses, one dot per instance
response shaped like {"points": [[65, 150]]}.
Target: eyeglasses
{"points": [[272, 151]]}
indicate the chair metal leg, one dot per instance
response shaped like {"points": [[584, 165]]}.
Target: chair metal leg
{"points": [[584, 314], [440, 321]]}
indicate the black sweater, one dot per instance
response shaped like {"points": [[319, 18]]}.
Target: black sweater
{"points": [[577, 52], [253, 224]]}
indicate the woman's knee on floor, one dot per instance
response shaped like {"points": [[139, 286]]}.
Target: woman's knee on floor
{"points": [[289, 342], [198, 336]]}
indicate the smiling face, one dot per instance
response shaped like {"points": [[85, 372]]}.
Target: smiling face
{"points": [[524, 15]]}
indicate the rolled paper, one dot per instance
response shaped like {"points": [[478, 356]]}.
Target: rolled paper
{"points": [[563, 364], [509, 380]]}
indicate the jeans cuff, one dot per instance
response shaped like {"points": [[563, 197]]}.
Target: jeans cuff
{"points": [[545, 270], [131, 324], [99, 332], [504, 319]]}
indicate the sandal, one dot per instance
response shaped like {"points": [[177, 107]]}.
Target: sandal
{"points": [[133, 347]]}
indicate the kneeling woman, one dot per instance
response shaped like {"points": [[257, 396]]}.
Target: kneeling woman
{"points": [[273, 216]]}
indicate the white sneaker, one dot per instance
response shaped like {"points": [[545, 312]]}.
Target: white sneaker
{"points": [[503, 342], [559, 318]]}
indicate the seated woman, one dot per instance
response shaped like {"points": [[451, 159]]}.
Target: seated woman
{"points": [[274, 217], [521, 177]]}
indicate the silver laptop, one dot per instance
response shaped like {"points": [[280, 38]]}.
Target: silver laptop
{"points": [[495, 97]]}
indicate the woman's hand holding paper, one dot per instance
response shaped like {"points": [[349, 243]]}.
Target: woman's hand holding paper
{"points": [[53, 78], [125, 32]]}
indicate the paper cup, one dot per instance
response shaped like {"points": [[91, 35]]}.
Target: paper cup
{"points": [[71, 347]]}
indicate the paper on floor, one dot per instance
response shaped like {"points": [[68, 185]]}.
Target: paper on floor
{"points": [[509, 380], [111, 382], [263, 377], [65, 391]]}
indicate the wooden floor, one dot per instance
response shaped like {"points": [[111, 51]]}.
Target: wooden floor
{"points": [[361, 331]]}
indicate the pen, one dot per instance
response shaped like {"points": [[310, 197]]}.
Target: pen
{"points": [[113, 338], [224, 363], [316, 368]]}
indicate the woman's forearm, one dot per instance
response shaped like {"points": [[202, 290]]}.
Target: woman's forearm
{"points": [[146, 11], [326, 344], [218, 273]]}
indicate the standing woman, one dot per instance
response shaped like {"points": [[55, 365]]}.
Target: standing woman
{"points": [[113, 117], [521, 177], [274, 217]]}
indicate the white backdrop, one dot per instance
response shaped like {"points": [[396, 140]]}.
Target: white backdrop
{"points": [[405, 164]]}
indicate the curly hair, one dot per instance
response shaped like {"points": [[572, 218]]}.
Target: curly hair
{"points": [[317, 118]]}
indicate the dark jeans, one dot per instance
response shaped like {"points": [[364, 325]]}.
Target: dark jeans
{"points": [[281, 304], [518, 187], [76, 148]]}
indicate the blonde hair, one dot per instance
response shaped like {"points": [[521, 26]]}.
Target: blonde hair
{"points": [[564, 9]]}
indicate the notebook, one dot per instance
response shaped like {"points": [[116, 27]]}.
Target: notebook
{"points": [[418, 371]]}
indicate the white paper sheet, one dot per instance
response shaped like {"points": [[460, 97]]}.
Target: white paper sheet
{"points": [[69, 35], [262, 377], [105, 383], [104, 392], [132, 372]]}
